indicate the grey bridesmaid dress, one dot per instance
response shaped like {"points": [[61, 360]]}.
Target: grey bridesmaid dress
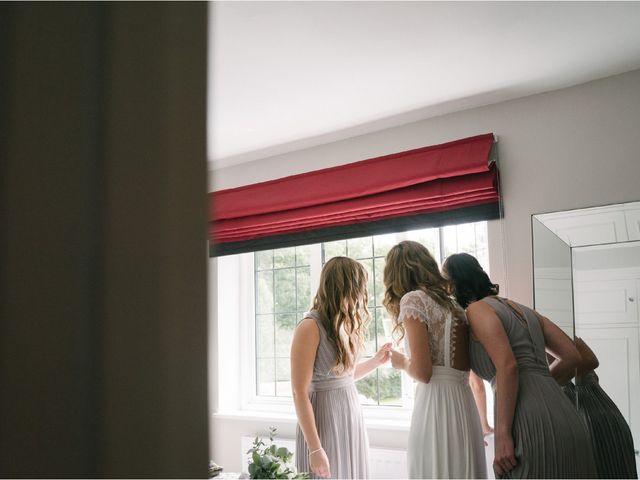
{"points": [[338, 416], [610, 434], [550, 439]]}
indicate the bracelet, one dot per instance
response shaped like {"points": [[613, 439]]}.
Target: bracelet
{"points": [[315, 451]]}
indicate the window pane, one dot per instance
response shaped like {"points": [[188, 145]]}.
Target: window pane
{"points": [[383, 322], [370, 337], [264, 260], [264, 292], [389, 386], [302, 255], [283, 377], [379, 264], [368, 389], [285, 290], [334, 249], [264, 335], [449, 241], [368, 265], [266, 376], [284, 333], [383, 243], [466, 236], [284, 257], [430, 238], [303, 289], [360, 247]]}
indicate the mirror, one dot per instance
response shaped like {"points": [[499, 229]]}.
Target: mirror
{"points": [[587, 269]]}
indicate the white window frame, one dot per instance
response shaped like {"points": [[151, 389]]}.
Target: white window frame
{"points": [[242, 396]]}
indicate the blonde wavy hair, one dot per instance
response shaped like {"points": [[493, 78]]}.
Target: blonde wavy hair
{"points": [[341, 301], [410, 266]]}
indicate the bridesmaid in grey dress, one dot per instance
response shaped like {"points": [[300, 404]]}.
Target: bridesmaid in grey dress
{"points": [[331, 439], [538, 433], [610, 434]]}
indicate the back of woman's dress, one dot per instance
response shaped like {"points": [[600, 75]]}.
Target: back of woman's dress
{"points": [[610, 434], [445, 437], [550, 439], [338, 415]]}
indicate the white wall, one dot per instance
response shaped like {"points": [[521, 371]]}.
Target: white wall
{"points": [[571, 148]]}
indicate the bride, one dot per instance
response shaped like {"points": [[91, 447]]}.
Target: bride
{"points": [[445, 437]]}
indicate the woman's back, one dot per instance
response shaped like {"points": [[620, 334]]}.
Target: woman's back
{"points": [[448, 333], [550, 440]]}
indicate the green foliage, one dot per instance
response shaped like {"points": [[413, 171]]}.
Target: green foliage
{"points": [[271, 461]]}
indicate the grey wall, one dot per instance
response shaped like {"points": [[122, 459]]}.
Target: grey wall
{"points": [[570, 148], [103, 354]]}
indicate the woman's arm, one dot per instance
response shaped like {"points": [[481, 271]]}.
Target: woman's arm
{"points": [[364, 368], [488, 329], [588, 359], [304, 346], [480, 396], [560, 346], [419, 366]]}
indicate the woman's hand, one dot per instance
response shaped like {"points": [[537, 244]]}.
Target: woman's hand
{"points": [[505, 458], [383, 354], [319, 463], [398, 360]]}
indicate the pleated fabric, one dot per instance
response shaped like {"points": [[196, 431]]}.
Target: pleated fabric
{"points": [[550, 438], [338, 416], [610, 434], [445, 438]]}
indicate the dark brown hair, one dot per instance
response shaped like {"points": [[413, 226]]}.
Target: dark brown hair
{"points": [[467, 278]]}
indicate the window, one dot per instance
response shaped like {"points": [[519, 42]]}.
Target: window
{"points": [[286, 279]]}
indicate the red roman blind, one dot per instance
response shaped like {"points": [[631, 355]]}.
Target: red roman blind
{"points": [[431, 186]]}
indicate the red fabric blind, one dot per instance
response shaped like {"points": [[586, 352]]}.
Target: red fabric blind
{"points": [[431, 179]]}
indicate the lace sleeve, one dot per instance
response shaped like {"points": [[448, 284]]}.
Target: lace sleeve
{"points": [[412, 305]]}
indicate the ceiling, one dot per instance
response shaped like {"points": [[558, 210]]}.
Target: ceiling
{"points": [[291, 75]]}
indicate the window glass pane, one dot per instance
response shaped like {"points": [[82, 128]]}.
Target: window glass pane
{"points": [[383, 243], [266, 376], [389, 386], [264, 291], [264, 260], [368, 389], [368, 265], [284, 257], [482, 245], [378, 264], [370, 337], [360, 247], [387, 324], [334, 249], [283, 377], [302, 255], [284, 333], [303, 289], [285, 289], [264, 335], [466, 236], [383, 326], [449, 241], [430, 238]]}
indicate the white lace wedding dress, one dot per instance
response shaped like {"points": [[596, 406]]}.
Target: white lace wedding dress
{"points": [[445, 437]]}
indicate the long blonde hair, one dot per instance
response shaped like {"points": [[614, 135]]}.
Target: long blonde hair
{"points": [[341, 301], [410, 266]]}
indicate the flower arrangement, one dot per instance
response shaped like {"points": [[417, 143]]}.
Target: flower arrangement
{"points": [[271, 461]]}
